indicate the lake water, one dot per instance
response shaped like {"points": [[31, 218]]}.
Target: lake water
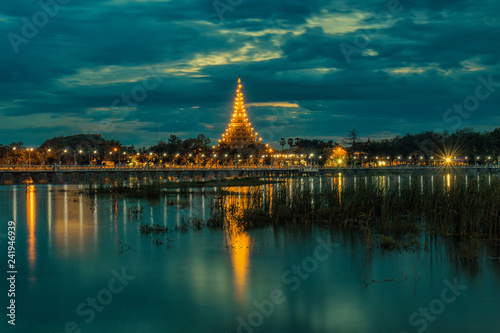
{"points": [[83, 266]]}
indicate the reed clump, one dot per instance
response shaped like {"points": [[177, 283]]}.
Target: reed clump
{"points": [[401, 215], [155, 189], [148, 190]]}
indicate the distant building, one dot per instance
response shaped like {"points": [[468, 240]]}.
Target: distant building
{"points": [[360, 148], [239, 133]]}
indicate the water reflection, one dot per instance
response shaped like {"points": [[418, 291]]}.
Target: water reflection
{"points": [[238, 241], [208, 278], [31, 214]]}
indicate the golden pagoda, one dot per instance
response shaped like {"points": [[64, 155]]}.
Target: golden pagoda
{"points": [[239, 133]]}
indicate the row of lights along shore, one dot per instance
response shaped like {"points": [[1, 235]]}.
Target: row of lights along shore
{"points": [[306, 159]]}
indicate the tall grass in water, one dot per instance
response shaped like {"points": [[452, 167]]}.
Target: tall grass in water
{"points": [[400, 213], [148, 190]]}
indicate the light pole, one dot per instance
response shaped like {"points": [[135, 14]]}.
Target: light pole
{"points": [[29, 155], [47, 156], [8, 159], [90, 160]]}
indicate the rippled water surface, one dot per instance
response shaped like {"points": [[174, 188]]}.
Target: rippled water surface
{"points": [[83, 265]]}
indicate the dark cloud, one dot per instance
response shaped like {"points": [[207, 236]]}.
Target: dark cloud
{"points": [[414, 66]]}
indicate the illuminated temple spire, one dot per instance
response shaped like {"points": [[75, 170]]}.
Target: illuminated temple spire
{"points": [[239, 133]]}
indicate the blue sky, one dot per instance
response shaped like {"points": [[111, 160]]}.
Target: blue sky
{"points": [[310, 69]]}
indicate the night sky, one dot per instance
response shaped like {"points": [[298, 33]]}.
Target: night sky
{"points": [[308, 68]]}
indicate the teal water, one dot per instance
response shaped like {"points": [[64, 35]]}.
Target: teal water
{"points": [[69, 251]]}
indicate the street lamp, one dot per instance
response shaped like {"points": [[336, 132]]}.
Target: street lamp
{"points": [[8, 160], [90, 154], [80, 152], [59, 155], [29, 155], [95, 153]]}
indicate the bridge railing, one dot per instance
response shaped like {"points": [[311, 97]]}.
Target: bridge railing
{"points": [[88, 168]]}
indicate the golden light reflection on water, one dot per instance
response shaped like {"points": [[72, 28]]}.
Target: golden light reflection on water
{"points": [[240, 258], [31, 214], [69, 213], [382, 183], [238, 241]]}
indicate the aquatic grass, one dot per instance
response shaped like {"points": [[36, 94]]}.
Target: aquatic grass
{"points": [[155, 190], [389, 215]]}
